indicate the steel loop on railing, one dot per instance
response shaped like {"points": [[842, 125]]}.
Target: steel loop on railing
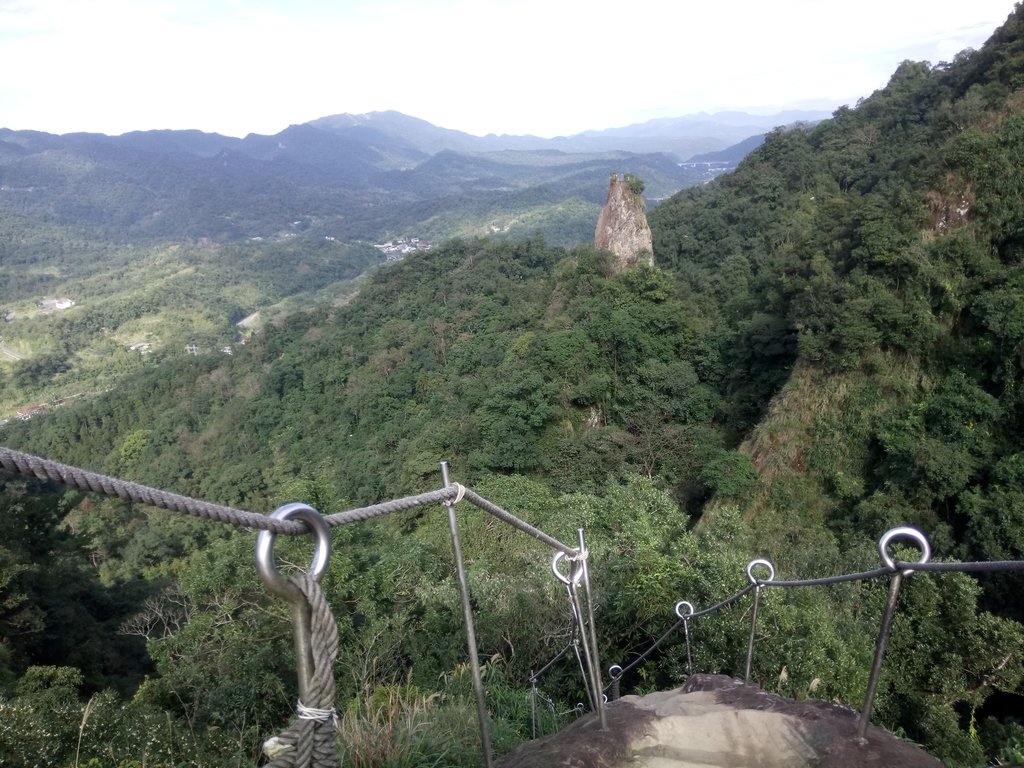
{"points": [[686, 630], [269, 575], [757, 584], [750, 571], [575, 574], [690, 610], [584, 633], [282, 588], [903, 532]]}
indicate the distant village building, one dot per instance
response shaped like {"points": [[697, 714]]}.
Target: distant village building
{"points": [[708, 171], [192, 349], [394, 250], [49, 305]]}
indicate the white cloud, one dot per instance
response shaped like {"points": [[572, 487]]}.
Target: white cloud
{"points": [[536, 66]]}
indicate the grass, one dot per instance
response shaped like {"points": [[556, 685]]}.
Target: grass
{"points": [[393, 727]]}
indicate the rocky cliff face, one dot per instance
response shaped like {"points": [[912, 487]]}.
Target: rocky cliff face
{"points": [[622, 226], [716, 722]]}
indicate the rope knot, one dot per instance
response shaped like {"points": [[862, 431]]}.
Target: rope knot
{"points": [[580, 556], [324, 716]]}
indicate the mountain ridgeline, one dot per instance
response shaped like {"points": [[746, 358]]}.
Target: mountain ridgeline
{"points": [[354, 177], [164, 241], [830, 343]]}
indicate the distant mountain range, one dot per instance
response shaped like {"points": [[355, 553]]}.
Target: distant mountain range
{"points": [[355, 177], [681, 137]]}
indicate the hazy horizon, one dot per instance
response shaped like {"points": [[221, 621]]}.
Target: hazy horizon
{"points": [[480, 66]]}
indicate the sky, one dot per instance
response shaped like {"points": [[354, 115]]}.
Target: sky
{"points": [[541, 67]]}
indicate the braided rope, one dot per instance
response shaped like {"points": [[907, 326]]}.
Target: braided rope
{"points": [[388, 507], [45, 469], [520, 525], [74, 477], [309, 742]]}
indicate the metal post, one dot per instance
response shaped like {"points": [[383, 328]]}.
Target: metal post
{"points": [[685, 617], [753, 629], [301, 610], [467, 612], [876, 665], [533, 703], [301, 630], [902, 532], [595, 669], [689, 657], [588, 681], [757, 600]]}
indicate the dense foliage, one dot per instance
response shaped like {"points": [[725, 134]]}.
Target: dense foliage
{"points": [[134, 305], [831, 344]]}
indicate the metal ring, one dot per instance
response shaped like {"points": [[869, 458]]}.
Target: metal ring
{"points": [[612, 673], [265, 549], [904, 532], [461, 492], [567, 580], [750, 571], [689, 613]]}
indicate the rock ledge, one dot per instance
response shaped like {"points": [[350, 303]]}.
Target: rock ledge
{"points": [[714, 721], [622, 227]]}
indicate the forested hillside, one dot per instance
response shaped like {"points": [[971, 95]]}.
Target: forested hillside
{"points": [[363, 185], [831, 343], [167, 240]]}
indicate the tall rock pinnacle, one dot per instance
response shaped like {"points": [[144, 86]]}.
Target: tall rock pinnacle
{"points": [[622, 226]]}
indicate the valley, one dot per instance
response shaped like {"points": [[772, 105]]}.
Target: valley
{"points": [[167, 239]]}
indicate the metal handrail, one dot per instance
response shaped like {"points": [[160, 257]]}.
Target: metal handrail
{"points": [[896, 570]]}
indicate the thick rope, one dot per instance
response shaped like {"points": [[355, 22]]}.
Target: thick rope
{"points": [[45, 469], [724, 604], [520, 525], [643, 656], [309, 742], [826, 580], [986, 566], [388, 507]]}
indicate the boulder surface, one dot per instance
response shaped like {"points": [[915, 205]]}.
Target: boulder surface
{"points": [[622, 227], [714, 721]]}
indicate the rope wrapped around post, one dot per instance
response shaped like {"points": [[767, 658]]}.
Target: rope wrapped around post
{"points": [[309, 742], [310, 739]]}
